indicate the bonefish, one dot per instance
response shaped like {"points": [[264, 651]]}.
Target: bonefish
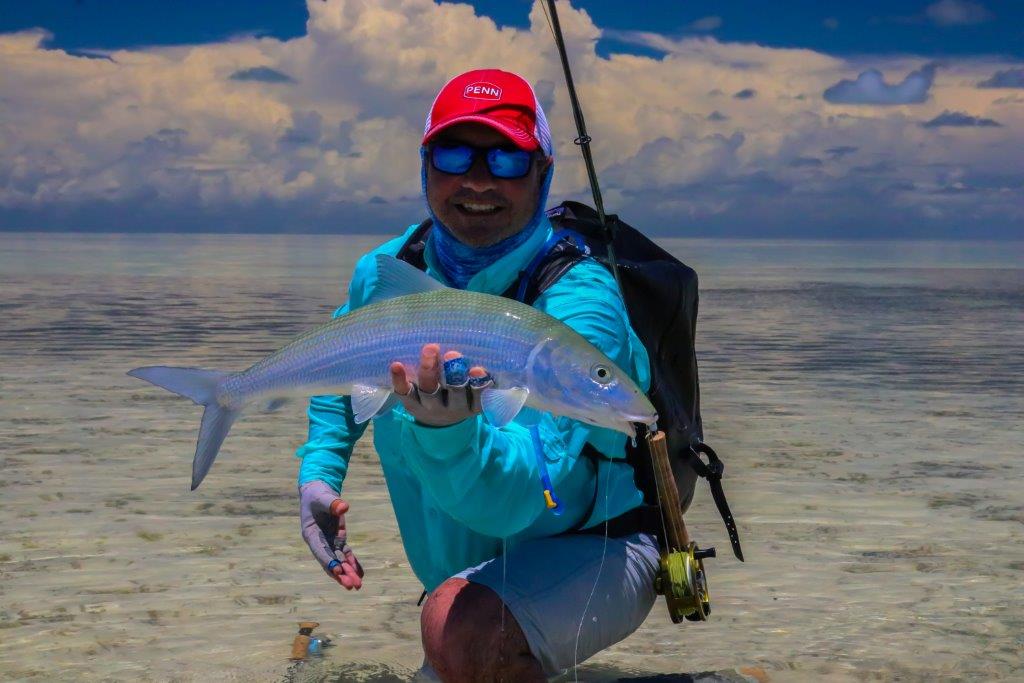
{"points": [[534, 359]]}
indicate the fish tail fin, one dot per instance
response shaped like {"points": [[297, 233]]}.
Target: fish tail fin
{"points": [[201, 387]]}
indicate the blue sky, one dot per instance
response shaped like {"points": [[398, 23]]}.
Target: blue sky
{"points": [[865, 27], [870, 119]]}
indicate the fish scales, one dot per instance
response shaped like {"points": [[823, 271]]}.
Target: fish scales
{"points": [[358, 347]]}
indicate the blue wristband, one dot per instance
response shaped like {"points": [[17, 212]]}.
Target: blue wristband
{"points": [[332, 564]]}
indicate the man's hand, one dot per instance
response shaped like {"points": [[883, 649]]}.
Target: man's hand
{"points": [[323, 528], [440, 397]]}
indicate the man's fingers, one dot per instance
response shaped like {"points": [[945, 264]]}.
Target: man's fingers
{"points": [[399, 379], [428, 375], [351, 577], [479, 379], [347, 575], [338, 574], [350, 558]]}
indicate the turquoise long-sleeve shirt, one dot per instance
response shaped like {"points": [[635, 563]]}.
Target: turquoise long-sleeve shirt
{"points": [[459, 490]]}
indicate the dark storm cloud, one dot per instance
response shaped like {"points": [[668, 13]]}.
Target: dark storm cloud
{"points": [[545, 91], [89, 54], [840, 151], [871, 88], [745, 94], [1010, 99], [146, 212], [261, 74], [306, 129], [958, 119], [717, 116], [1011, 78], [166, 143]]}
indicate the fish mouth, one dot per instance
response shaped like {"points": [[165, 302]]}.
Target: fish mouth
{"points": [[651, 422]]}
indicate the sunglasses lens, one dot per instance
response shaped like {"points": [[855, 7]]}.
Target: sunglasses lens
{"points": [[508, 163], [455, 159], [503, 163]]}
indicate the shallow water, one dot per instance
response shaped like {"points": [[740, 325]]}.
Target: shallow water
{"points": [[865, 397]]}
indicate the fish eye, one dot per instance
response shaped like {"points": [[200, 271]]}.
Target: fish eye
{"points": [[601, 373]]}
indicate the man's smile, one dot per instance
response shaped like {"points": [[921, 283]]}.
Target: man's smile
{"points": [[478, 208]]}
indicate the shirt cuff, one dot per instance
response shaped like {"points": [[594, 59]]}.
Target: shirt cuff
{"points": [[441, 443]]}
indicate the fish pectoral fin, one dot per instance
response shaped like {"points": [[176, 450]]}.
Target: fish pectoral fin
{"points": [[369, 402], [530, 416], [500, 406], [397, 278]]}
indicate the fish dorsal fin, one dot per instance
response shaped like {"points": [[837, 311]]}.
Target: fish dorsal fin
{"points": [[369, 402], [501, 405], [397, 278]]}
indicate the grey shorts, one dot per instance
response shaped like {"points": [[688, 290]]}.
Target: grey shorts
{"points": [[549, 581]]}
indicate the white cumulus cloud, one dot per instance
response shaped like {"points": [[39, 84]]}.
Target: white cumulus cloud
{"points": [[321, 132]]}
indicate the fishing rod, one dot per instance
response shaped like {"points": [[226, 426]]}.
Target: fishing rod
{"points": [[681, 577], [583, 141]]}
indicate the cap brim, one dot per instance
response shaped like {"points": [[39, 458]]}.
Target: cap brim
{"points": [[520, 137]]}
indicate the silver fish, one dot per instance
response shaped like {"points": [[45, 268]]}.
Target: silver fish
{"points": [[535, 360]]}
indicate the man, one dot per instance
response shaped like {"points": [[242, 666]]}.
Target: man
{"points": [[465, 492]]}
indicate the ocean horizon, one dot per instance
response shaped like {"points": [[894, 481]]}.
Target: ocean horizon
{"points": [[865, 398]]}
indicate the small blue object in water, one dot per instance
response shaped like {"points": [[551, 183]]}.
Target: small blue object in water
{"points": [[316, 646]]}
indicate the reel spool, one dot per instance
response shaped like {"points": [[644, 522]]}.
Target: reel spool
{"points": [[681, 578], [684, 584]]}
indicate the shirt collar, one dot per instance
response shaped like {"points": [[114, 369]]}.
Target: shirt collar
{"points": [[498, 276]]}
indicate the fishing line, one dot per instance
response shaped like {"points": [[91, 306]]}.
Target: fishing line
{"points": [[504, 573], [548, 17], [583, 141], [657, 487], [597, 579]]}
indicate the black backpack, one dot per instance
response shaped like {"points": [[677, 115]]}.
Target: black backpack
{"points": [[660, 293]]}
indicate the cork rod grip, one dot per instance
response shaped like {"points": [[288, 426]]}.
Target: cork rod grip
{"points": [[671, 510]]}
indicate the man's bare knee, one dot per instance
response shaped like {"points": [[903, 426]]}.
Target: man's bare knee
{"points": [[469, 635]]}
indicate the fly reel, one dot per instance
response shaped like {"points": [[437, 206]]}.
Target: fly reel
{"points": [[681, 579]]}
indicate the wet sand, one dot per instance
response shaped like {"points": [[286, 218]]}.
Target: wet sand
{"points": [[873, 464]]}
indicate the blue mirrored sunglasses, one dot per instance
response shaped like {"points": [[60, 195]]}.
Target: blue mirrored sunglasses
{"points": [[503, 162]]}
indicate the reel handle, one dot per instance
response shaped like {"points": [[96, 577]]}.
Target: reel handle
{"points": [[705, 553]]}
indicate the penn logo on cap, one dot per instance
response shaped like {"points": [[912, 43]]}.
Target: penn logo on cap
{"points": [[482, 91]]}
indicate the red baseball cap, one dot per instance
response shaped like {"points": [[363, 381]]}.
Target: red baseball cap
{"points": [[499, 99]]}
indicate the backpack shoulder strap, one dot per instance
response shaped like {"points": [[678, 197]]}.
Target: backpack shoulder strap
{"points": [[562, 251], [412, 251]]}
